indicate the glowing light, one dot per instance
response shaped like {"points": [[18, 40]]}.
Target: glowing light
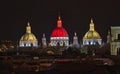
{"points": [[59, 32]]}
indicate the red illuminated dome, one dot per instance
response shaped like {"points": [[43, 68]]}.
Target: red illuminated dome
{"points": [[59, 35], [59, 31]]}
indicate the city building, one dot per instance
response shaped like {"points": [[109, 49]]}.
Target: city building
{"points": [[115, 42], [59, 35], [28, 39]]}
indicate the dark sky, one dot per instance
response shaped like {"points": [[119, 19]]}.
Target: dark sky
{"points": [[42, 14]]}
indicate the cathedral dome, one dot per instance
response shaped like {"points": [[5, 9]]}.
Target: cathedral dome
{"points": [[28, 36], [92, 37], [59, 31], [59, 35], [92, 34]]}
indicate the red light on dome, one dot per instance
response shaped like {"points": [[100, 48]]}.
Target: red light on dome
{"points": [[59, 32]]}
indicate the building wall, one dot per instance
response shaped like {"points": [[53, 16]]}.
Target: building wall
{"points": [[115, 43], [59, 40], [28, 43]]}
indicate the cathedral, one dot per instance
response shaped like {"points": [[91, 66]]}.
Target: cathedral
{"points": [[28, 39], [60, 37]]}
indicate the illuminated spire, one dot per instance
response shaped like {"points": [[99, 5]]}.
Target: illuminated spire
{"points": [[28, 28], [91, 20], [108, 37], [91, 25], [59, 22], [44, 44], [75, 34], [28, 24], [43, 35], [75, 39]]}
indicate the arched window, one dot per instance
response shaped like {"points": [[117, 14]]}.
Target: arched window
{"points": [[61, 43]]}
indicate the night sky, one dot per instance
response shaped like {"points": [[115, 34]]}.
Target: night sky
{"points": [[43, 15]]}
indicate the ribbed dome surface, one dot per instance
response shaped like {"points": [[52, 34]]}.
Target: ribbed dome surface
{"points": [[28, 37], [59, 32], [92, 35]]}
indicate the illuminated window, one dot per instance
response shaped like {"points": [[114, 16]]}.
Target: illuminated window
{"points": [[87, 42], [91, 42]]}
